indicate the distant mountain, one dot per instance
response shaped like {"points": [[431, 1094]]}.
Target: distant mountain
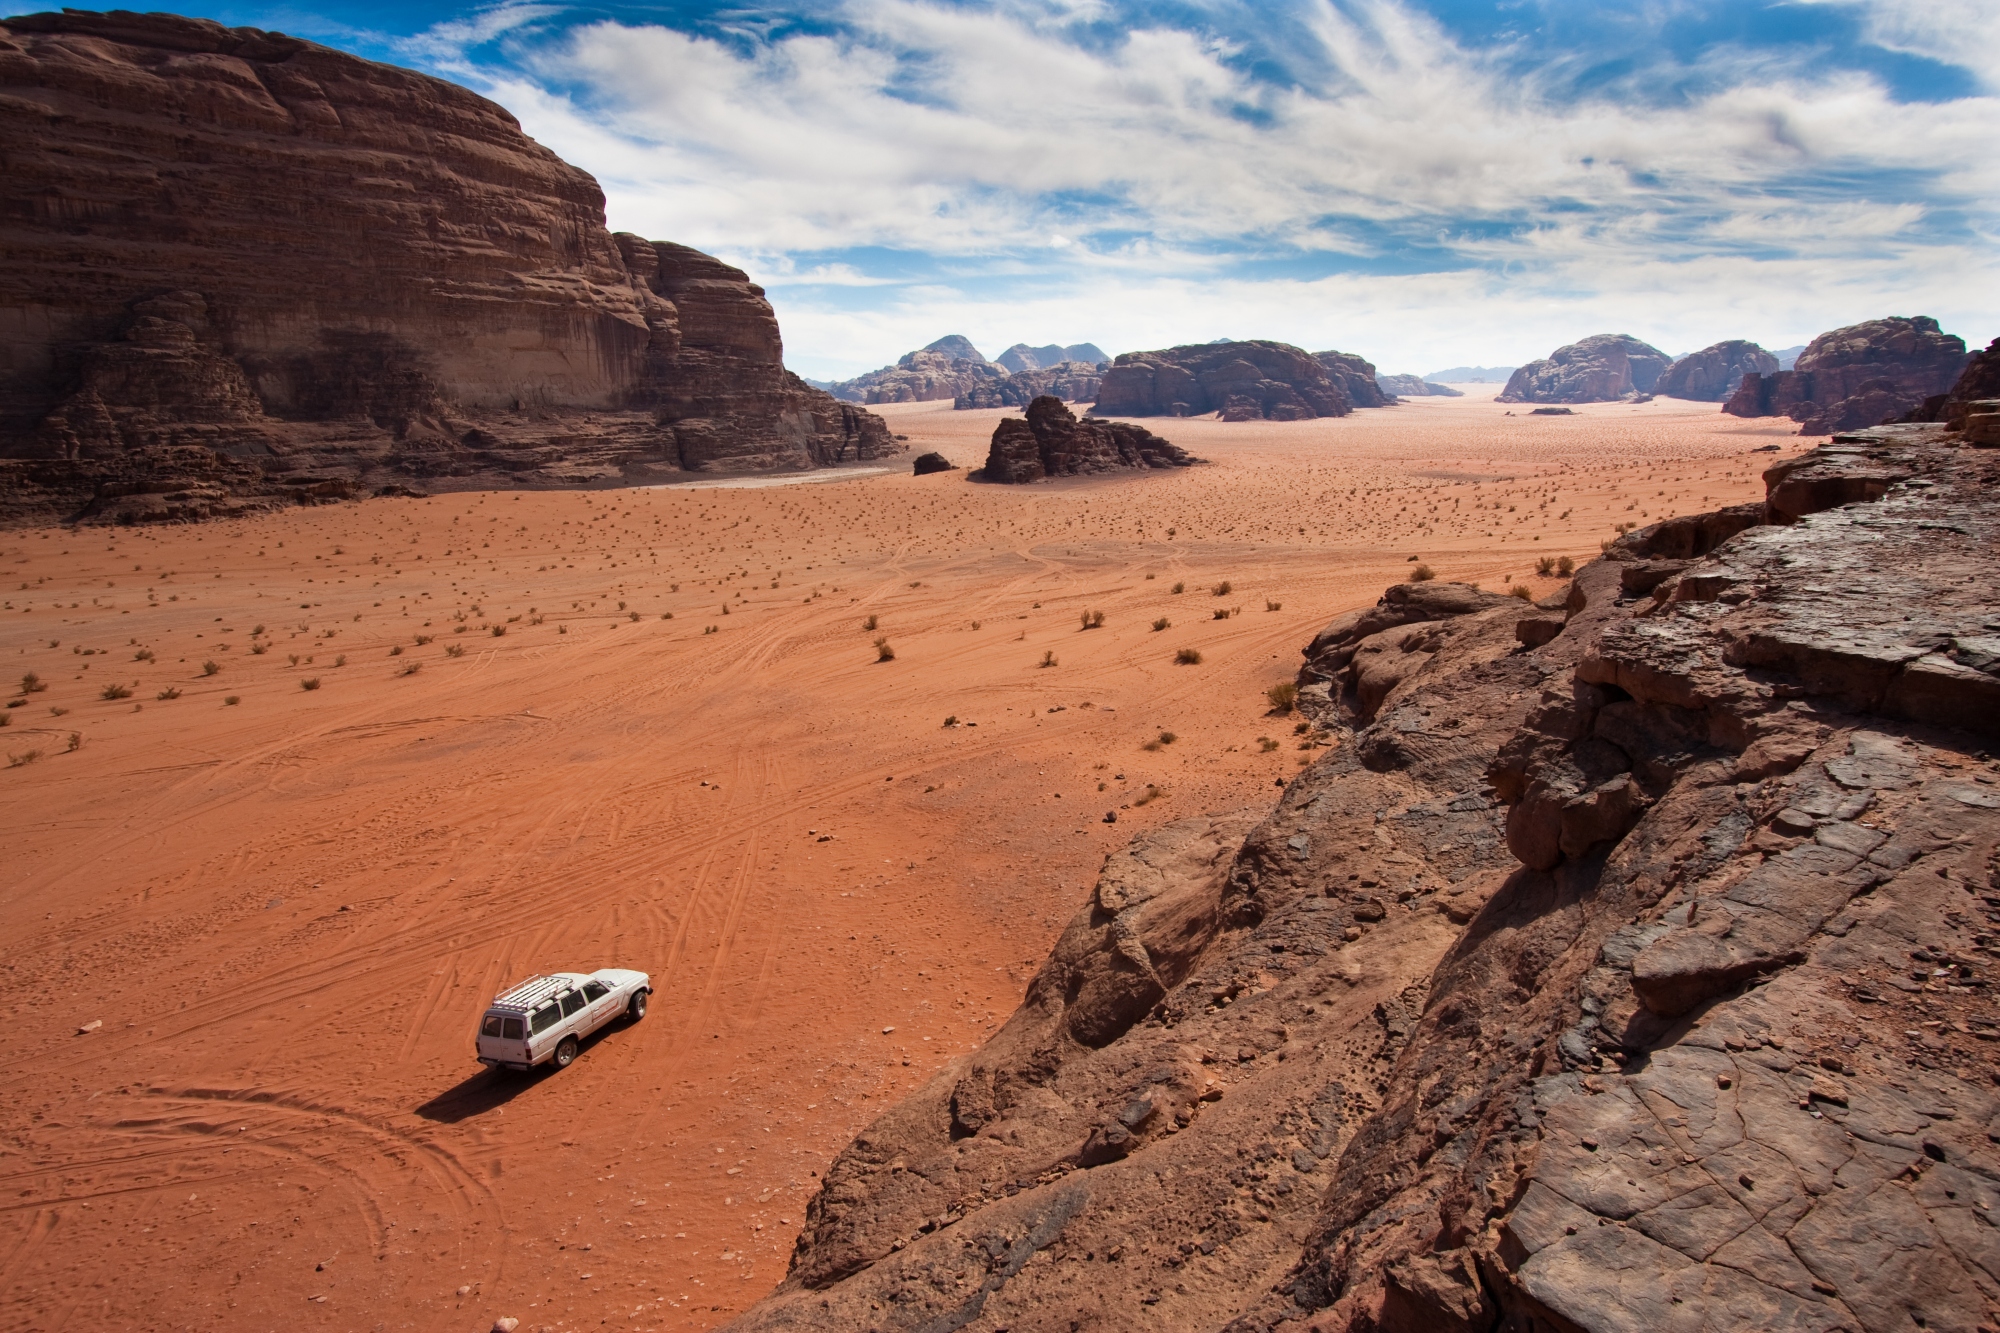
{"points": [[1788, 355], [1472, 375], [1411, 386], [1021, 357], [958, 347], [947, 368]]}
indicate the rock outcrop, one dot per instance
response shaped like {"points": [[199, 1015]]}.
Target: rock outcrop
{"points": [[1243, 381], [1862, 375], [926, 464], [244, 268], [1414, 386], [1021, 357], [951, 367], [1356, 377], [1622, 963], [1715, 372], [1050, 442], [1072, 381], [1599, 369]]}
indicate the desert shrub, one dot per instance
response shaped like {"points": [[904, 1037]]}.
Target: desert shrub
{"points": [[1521, 591], [975, 624], [1302, 728], [259, 649], [951, 720], [115, 691], [868, 624], [1161, 624], [75, 742], [143, 655], [1221, 613], [458, 629], [454, 650], [499, 631], [23, 759], [1266, 744], [1180, 587], [1187, 657], [309, 683], [295, 659], [423, 639], [209, 668], [634, 615], [1221, 589], [171, 692], [1093, 619], [396, 651], [1283, 695], [6, 719], [1049, 658], [1168, 738], [411, 668], [1273, 606], [1422, 574], [1565, 566], [33, 684], [231, 700], [1545, 566], [883, 652]]}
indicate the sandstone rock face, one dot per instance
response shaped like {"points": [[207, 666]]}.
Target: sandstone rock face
{"points": [[1715, 1051], [1050, 442], [1356, 377], [1414, 386], [1021, 357], [1599, 369], [1862, 375], [1715, 372], [323, 270], [947, 368], [1072, 381], [1243, 381]]}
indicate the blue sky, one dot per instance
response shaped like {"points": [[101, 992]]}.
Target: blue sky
{"points": [[1428, 184]]}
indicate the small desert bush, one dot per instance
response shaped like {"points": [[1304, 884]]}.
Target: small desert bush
{"points": [[171, 692], [1221, 613], [260, 649], [1521, 591], [309, 683], [6, 719], [1545, 566], [868, 624], [1093, 619], [232, 699], [633, 614], [1266, 744], [23, 759], [1180, 587], [1422, 574], [1283, 695], [1161, 624], [1187, 657], [1565, 566], [975, 624], [295, 659], [458, 629], [33, 684], [1221, 589], [396, 651], [75, 742], [115, 692], [423, 639], [1274, 606], [411, 668], [499, 631], [883, 652], [454, 650], [1049, 658], [143, 655], [210, 667]]}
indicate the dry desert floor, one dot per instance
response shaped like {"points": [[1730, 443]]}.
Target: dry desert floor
{"points": [[292, 797]]}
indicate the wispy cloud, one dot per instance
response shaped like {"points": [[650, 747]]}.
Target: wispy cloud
{"points": [[1168, 165]]}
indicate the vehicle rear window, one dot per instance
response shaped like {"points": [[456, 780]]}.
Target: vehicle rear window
{"points": [[572, 1002], [595, 990], [546, 1017], [511, 1029], [491, 1027]]}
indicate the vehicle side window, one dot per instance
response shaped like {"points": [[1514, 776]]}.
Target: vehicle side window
{"points": [[547, 1017], [510, 1029], [491, 1027], [572, 1002], [595, 991]]}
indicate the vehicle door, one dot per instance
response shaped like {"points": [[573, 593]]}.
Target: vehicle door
{"points": [[544, 1029], [603, 1003], [576, 1013]]}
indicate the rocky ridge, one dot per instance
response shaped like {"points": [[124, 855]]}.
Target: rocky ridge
{"points": [[1715, 372], [1862, 375], [1414, 386], [1624, 961], [1242, 381], [1599, 369], [1356, 377], [1021, 357], [180, 337], [947, 368], [1072, 381], [1050, 442]]}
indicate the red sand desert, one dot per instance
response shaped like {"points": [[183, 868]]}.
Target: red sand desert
{"points": [[251, 920]]}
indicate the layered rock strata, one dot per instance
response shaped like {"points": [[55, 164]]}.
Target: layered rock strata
{"points": [[1356, 377], [1862, 375], [244, 268], [1072, 381], [1050, 442], [1715, 372], [1242, 381], [1599, 369], [1622, 963]]}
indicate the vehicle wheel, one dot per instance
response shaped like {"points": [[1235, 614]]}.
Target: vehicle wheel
{"points": [[637, 1009], [565, 1052]]}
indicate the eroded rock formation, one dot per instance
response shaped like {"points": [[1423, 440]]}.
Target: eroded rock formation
{"points": [[1715, 372], [1050, 442], [1414, 386], [1021, 357], [1356, 377], [1862, 375], [1243, 381], [1621, 964], [948, 368], [1597, 369], [1072, 381], [244, 268]]}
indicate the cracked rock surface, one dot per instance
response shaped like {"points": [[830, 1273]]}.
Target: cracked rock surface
{"points": [[1622, 963]]}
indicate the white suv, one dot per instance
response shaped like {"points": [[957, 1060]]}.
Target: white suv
{"points": [[542, 1020]]}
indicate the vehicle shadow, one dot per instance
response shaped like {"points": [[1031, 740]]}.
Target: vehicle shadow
{"points": [[487, 1089]]}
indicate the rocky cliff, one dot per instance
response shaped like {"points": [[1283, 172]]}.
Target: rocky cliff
{"points": [[1599, 369], [244, 268], [1862, 375], [1072, 381], [1413, 386], [1050, 442], [1715, 372], [1243, 381], [1624, 962], [1356, 377], [948, 368]]}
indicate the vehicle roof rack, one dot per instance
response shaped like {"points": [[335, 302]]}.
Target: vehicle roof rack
{"points": [[531, 992]]}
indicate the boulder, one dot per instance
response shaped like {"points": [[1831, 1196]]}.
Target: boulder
{"points": [[1598, 369], [928, 463], [1244, 381], [1050, 442], [1861, 375], [1713, 373]]}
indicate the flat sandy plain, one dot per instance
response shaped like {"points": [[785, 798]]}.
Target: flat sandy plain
{"points": [[279, 908]]}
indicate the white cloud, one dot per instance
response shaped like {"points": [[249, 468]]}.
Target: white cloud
{"points": [[1965, 33], [1146, 170]]}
